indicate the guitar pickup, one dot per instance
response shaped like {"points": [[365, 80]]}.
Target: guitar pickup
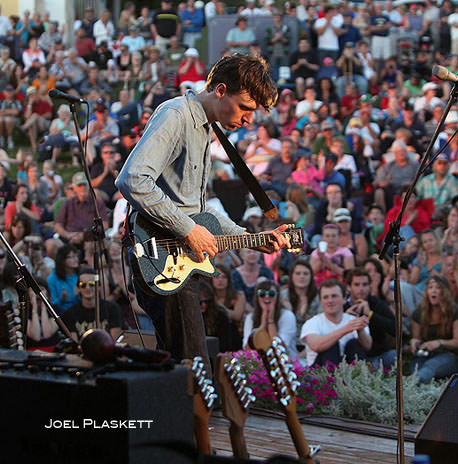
{"points": [[152, 248]]}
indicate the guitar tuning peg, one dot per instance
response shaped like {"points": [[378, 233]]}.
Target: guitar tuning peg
{"points": [[227, 367], [275, 372], [273, 362], [195, 362], [292, 376], [275, 341], [285, 400], [249, 390], [211, 400], [284, 390], [270, 353], [295, 385], [280, 381]]}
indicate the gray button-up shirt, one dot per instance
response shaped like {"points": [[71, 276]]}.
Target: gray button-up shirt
{"points": [[166, 174]]}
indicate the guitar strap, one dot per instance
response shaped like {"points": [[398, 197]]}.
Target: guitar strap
{"points": [[246, 175]]}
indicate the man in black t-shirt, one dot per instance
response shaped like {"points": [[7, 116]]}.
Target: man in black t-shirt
{"points": [[81, 316], [381, 318], [166, 23], [304, 65]]}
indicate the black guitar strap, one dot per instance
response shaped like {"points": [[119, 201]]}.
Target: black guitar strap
{"points": [[246, 175]]}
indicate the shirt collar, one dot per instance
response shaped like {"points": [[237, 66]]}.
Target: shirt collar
{"points": [[197, 110]]}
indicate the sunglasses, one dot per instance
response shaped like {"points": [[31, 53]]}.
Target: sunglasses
{"points": [[270, 293], [204, 300], [91, 283]]}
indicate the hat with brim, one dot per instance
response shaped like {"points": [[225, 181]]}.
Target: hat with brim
{"points": [[253, 211], [342, 214], [79, 178]]}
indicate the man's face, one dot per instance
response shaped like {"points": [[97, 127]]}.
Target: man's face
{"points": [[234, 110], [440, 167], [400, 155], [81, 191], [86, 285], [332, 300], [287, 150], [107, 153], [359, 288]]}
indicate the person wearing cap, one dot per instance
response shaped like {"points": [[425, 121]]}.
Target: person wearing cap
{"points": [[322, 143], [239, 38], [37, 114], [101, 129], [70, 71], [440, 185], [10, 111], [350, 33], [134, 41], [166, 23], [103, 28], [350, 70], [356, 243], [304, 65], [165, 179], [76, 214], [88, 21], [192, 69], [192, 21], [428, 100]]}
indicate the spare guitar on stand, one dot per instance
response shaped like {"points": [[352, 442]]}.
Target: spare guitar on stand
{"points": [[204, 400], [284, 382], [235, 398]]}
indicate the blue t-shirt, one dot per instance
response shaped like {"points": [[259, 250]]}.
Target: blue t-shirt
{"points": [[380, 21]]}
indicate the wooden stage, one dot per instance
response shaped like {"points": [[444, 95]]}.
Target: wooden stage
{"points": [[267, 435]]}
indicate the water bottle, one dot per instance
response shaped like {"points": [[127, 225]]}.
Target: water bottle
{"points": [[421, 459]]}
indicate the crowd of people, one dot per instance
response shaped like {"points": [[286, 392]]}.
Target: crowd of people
{"points": [[357, 107]]}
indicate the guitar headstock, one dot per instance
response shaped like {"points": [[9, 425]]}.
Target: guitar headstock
{"points": [[235, 395], [204, 385], [295, 236], [278, 366]]}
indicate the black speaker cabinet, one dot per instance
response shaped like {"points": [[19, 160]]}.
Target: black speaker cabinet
{"points": [[438, 436], [66, 412]]}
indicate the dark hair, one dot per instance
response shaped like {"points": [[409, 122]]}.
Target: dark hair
{"points": [[25, 222], [379, 268], [28, 202], [375, 206], [231, 293], [243, 72], [265, 285], [85, 270], [61, 256], [311, 292], [210, 315], [333, 283], [336, 184], [356, 272]]}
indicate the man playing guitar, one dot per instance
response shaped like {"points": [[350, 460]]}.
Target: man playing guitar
{"points": [[165, 178]]}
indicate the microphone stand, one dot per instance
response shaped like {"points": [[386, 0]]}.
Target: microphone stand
{"points": [[394, 238], [98, 234], [28, 280]]}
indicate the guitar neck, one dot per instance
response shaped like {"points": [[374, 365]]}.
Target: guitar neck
{"points": [[238, 242], [238, 443], [297, 434]]}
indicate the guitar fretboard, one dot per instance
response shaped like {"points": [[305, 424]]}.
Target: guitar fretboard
{"points": [[237, 242]]}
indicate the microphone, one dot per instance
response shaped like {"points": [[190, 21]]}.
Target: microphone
{"points": [[444, 74], [54, 93], [98, 346]]}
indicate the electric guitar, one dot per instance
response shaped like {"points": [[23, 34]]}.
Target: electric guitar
{"points": [[204, 399], [162, 263], [235, 398], [284, 382]]}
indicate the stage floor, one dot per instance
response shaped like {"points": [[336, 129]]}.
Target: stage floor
{"points": [[266, 436]]}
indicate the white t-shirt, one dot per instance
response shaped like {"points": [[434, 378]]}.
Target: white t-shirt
{"points": [[328, 40], [303, 108], [321, 325], [286, 330], [347, 162], [452, 19]]}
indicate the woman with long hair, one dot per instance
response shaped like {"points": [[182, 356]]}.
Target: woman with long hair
{"points": [[377, 275], [450, 237], [21, 204], [301, 294], [62, 280], [428, 261], [269, 315], [18, 229], [435, 331], [216, 320], [234, 301]]}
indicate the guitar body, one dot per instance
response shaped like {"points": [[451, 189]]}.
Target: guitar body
{"points": [[161, 263]]}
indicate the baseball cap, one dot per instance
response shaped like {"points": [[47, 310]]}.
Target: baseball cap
{"points": [[366, 98], [342, 214], [191, 52], [327, 60], [349, 44], [429, 86], [100, 105], [79, 178], [253, 211], [326, 125], [442, 157]]}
